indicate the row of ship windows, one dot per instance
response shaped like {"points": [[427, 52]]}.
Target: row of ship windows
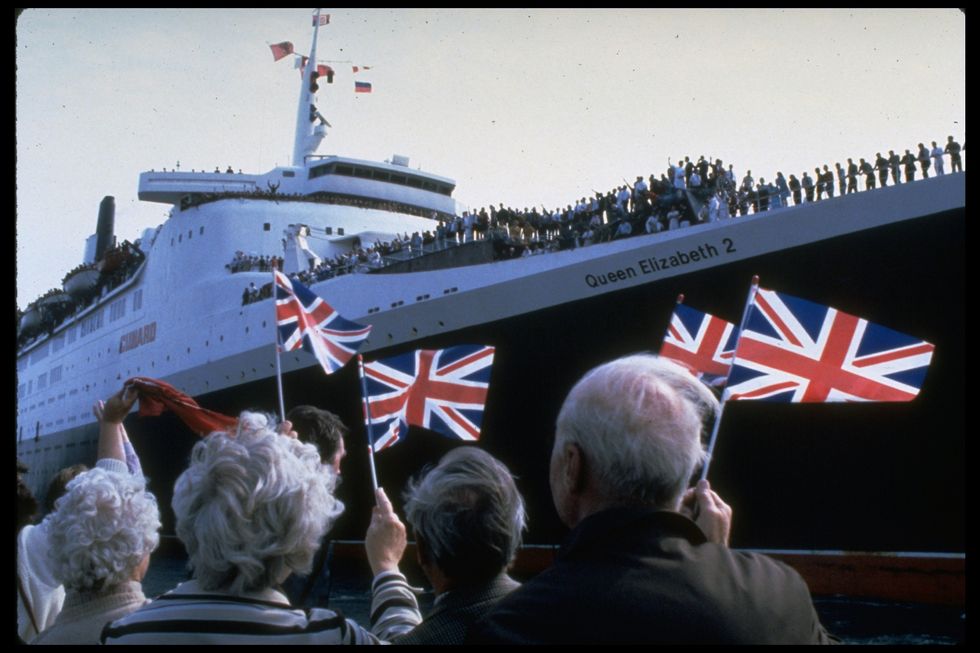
{"points": [[93, 322], [55, 374], [380, 175], [190, 234]]}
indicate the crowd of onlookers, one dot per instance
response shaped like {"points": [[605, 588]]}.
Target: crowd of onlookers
{"points": [[257, 499]]}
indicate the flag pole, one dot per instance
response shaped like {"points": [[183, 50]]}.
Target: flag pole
{"points": [[275, 325], [724, 395], [370, 424]]}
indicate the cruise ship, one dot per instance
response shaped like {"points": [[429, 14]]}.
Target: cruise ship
{"points": [[177, 306]]}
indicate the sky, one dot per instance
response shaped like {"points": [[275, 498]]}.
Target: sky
{"points": [[520, 107]]}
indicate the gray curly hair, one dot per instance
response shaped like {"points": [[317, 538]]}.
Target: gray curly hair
{"points": [[467, 514], [253, 506], [102, 529]]}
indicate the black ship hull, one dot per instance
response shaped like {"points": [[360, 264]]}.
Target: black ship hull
{"points": [[832, 476]]}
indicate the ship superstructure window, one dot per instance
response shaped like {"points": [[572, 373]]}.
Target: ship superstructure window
{"points": [[328, 231], [267, 227], [55, 375], [288, 173], [57, 344], [138, 299], [117, 310], [378, 174], [90, 324], [40, 353], [21, 389], [22, 363], [71, 334], [340, 231], [42, 381]]}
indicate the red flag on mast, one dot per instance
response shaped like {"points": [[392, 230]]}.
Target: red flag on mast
{"points": [[280, 50]]}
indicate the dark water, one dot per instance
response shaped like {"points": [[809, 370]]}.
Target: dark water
{"points": [[854, 621]]}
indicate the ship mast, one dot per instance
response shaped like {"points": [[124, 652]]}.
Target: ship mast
{"points": [[308, 132]]}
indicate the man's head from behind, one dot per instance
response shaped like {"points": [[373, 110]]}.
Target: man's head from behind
{"points": [[629, 432], [322, 428], [467, 516]]}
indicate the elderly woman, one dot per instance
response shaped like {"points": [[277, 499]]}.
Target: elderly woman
{"points": [[100, 537], [251, 509]]}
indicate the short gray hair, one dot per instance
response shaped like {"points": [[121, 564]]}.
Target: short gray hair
{"points": [[102, 528], [468, 514], [638, 421], [253, 506]]}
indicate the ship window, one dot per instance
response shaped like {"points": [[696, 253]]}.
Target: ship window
{"points": [[138, 299], [340, 231], [171, 242], [362, 172], [190, 234], [56, 375], [117, 310], [200, 231], [345, 170], [398, 179], [428, 185], [180, 238], [20, 389], [22, 364], [414, 182], [381, 175], [288, 173], [58, 343], [40, 353], [71, 334], [42, 381], [328, 230], [267, 227]]}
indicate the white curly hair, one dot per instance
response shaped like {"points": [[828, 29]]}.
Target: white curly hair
{"points": [[102, 529], [253, 506]]}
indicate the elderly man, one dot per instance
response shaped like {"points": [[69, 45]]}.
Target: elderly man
{"points": [[467, 516], [251, 509], [646, 561]]}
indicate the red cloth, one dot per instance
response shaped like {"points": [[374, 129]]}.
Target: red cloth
{"points": [[155, 396]]}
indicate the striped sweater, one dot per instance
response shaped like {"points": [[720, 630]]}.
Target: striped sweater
{"points": [[189, 615]]}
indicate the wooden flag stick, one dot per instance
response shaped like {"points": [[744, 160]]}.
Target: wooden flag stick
{"points": [[370, 424], [275, 326], [724, 396]]}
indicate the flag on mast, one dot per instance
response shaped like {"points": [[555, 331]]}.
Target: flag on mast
{"points": [[281, 50], [794, 350], [443, 390], [324, 20], [305, 320]]}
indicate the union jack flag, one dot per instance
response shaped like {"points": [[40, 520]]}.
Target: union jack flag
{"points": [[443, 390], [793, 350], [700, 342], [305, 320]]}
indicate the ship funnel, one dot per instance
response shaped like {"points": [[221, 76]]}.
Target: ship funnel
{"points": [[105, 230]]}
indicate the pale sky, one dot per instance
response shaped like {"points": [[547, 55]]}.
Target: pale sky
{"points": [[524, 107]]}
